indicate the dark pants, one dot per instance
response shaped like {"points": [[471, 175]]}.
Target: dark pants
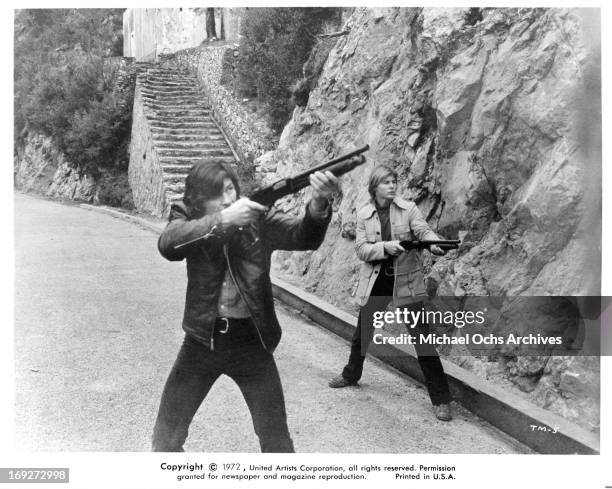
{"points": [[239, 355], [430, 364]]}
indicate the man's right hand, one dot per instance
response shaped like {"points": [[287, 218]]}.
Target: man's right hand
{"points": [[242, 213], [393, 248]]}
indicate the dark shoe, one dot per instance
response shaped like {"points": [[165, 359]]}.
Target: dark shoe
{"points": [[339, 381], [443, 412]]}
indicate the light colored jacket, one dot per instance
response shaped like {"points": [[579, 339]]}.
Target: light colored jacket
{"points": [[407, 222]]}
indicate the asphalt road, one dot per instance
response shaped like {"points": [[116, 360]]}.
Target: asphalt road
{"points": [[97, 328]]}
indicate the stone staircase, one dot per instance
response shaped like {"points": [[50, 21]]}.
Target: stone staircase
{"points": [[182, 129]]}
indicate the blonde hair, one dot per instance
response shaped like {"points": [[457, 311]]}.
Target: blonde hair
{"points": [[378, 175]]}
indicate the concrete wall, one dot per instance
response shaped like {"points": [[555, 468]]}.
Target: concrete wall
{"points": [[144, 171], [148, 32]]}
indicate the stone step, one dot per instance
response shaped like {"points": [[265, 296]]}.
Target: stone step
{"points": [[180, 112], [179, 100], [171, 79], [172, 71], [189, 130], [178, 122], [179, 169], [195, 144], [175, 187], [169, 91], [171, 105], [154, 98], [165, 151], [175, 177], [169, 73], [176, 160], [195, 112], [187, 122], [178, 118], [172, 197], [205, 133], [171, 97], [188, 138], [152, 84]]}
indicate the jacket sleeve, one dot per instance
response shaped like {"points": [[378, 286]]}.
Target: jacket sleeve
{"points": [[284, 232], [180, 229], [419, 225], [367, 251]]}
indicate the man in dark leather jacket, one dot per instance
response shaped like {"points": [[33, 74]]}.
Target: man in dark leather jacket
{"points": [[230, 324]]}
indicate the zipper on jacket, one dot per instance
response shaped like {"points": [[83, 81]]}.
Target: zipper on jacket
{"points": [[229, 268]]}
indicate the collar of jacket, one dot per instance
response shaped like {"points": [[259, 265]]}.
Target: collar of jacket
{"points": [[370, 208]]}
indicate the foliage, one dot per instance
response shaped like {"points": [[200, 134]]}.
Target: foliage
{"points": [[114, 190], [276, 42], [62, 88]]}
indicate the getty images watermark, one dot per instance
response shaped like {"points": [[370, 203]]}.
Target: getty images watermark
{"points": [[486, 325]]}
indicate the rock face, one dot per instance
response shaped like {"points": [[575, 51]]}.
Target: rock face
{"points": [[41, 168], [492, 120]]}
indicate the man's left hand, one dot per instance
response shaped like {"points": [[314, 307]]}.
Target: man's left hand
{"points": [[324, 186]]}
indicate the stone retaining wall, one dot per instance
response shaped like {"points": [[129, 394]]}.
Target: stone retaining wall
{"points": [[144, 173]]}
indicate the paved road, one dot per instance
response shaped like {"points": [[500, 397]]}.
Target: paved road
{"points": [[97, 314]]}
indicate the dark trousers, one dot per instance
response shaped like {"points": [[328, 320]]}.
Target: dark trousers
{"points": [[428, 358], [239, 355]]}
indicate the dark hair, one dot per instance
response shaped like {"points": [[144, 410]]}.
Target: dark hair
{"points": [[378, 175], [205, 182]]}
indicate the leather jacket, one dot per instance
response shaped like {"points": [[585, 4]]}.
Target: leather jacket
{"points": [[248, 256], [407, 222]]}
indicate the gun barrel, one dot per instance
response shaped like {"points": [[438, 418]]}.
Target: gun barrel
{"points": [[331, 163]]}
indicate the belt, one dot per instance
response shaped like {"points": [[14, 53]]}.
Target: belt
{"points": [[224, 325]]}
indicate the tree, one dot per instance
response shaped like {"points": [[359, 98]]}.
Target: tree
{"points": [[60, 87], [276, 44]]}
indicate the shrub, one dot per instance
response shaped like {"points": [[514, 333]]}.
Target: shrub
{"points": [[114, 190], [276, 42]]}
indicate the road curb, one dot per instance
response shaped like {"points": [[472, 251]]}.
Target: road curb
{"points": [[541, 430], [124, 216]]}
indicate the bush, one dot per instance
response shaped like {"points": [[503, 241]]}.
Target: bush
{"points": [[60, 87], [276, 42], [114, 190], [99, 136]]}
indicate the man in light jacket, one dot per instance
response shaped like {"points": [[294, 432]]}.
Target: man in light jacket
{"points": [[390, 273]]}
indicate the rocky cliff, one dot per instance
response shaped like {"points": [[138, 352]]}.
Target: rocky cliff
{"points": [[41, 168], [491, 118]]}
